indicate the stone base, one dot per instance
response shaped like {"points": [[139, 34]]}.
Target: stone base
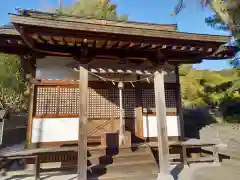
{"points": [[165, 176]]}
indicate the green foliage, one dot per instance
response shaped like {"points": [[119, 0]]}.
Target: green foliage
{"points": [[215, 90], [12, 85], [200, 88], [184, 69], [102, 9], [215, 21]]}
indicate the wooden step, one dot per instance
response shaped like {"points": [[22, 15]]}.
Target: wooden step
{"points": [[120, 170], [124, 163], [120, 158], [115, 151], [138, 176]]}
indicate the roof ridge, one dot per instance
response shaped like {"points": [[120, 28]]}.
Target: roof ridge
{"points": [[25, 12]]}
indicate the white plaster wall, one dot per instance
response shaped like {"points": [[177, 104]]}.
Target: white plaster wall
{"points": [[66, 129], [54, 129], [150, 126], [54, 67]]}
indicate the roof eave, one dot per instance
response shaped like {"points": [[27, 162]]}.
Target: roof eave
{"points": [[114, 30]]}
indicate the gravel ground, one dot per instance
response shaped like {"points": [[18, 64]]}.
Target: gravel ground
{"points": [[229, 136], [229, 169]]}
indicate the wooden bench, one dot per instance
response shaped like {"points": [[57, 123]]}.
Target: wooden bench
{"points": [[31, 154], [5, 161], [197, 144]]}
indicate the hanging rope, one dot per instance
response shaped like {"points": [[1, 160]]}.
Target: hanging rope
{"points": [[113, 80], [117, 81]]}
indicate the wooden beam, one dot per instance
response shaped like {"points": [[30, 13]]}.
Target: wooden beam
{"points": [[39, 39], [98, 51], [157, 58], [123, 44], [161, 111], [110, 44], [82, 131], [27, 39]]}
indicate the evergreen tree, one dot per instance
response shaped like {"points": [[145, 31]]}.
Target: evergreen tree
{"points": [[227, 14], [12, 85], [102, 9]]}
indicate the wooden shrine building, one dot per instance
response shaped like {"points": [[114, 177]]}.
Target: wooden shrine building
{"points": [[129, 81], [51, 46]]}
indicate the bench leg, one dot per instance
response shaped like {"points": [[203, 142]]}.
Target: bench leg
{"points": [[184, 156], [5, 167], [37, 168], [216, 154]]}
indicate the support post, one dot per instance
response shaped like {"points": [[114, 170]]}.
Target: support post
{"points": [[139, 113], [37, 168], [29, 66], [216, 154], [179, 105], [163, 148], [122, 122], [30, 114], [82, 131]]}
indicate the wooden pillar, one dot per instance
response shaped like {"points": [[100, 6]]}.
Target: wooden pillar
{"points": [[82, 131], [122, 121], [30, 114], [179, 105], [29, 68], [139, 110], [161, 112]]}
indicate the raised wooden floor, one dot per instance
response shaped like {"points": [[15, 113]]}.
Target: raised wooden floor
{"points": [[135, 162]]}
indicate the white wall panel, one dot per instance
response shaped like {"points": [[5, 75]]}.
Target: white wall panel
{"points": [[150, 126], [54, 129]]}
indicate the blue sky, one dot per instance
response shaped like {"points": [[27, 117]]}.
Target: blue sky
{"points": [[191, 19]]}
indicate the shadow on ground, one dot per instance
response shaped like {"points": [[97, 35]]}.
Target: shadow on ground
{"points": [[195, 120]]}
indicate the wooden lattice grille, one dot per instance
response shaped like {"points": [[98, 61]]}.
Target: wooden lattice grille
{"points": [[148, 98], [47, 100], [129, 102], [68, 100], [102, 103]]}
